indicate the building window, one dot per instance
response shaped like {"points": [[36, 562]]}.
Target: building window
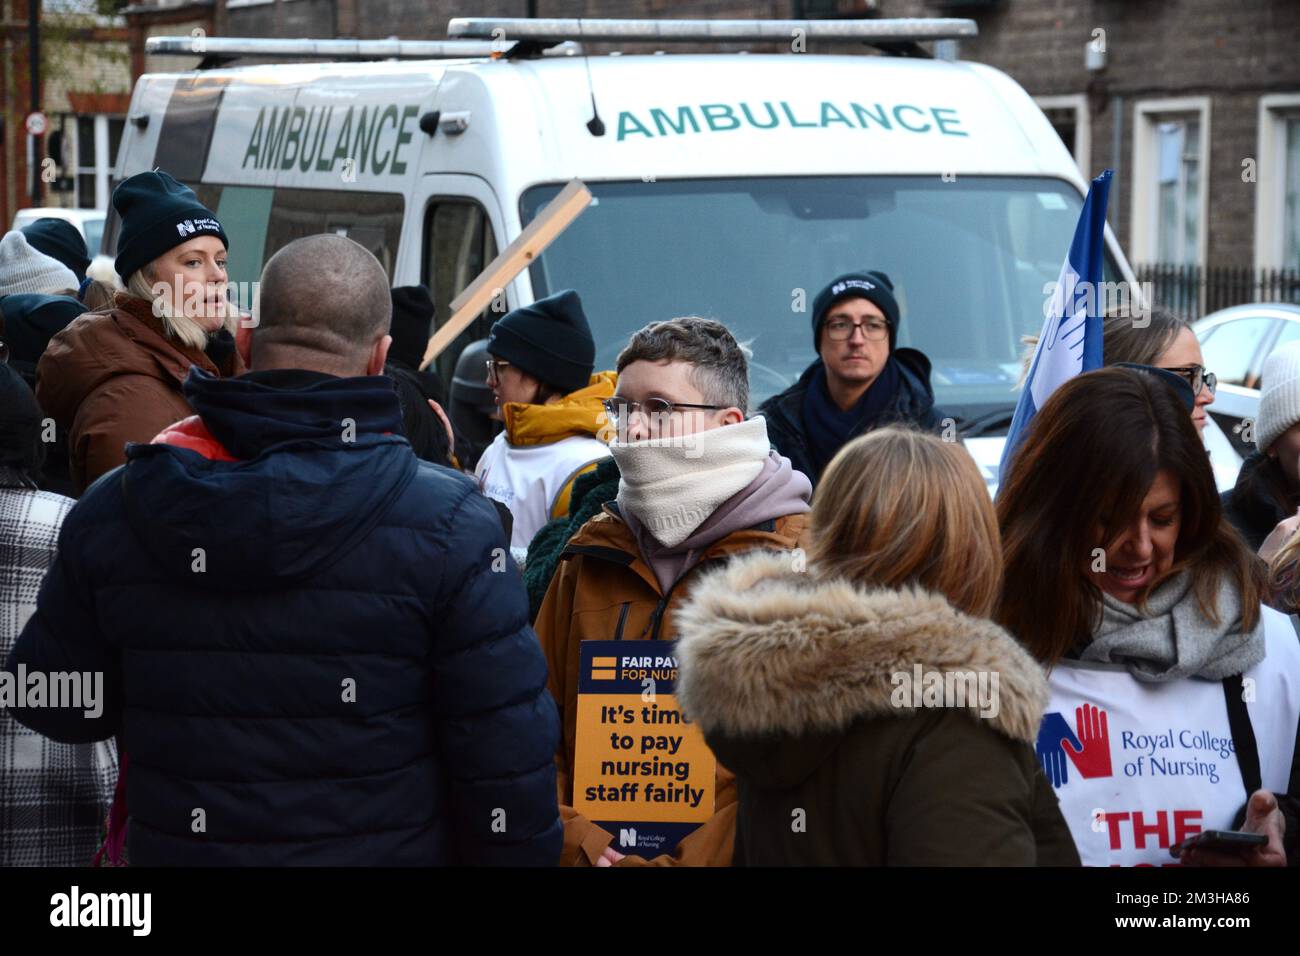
{"points": [[98, 138], [1170, 146], [1179, 179], [1277, 190], [1069, 117], [1291, 230]]}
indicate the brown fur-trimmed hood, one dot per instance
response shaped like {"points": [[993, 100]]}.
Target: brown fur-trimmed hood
{"points": [[769, 651]]}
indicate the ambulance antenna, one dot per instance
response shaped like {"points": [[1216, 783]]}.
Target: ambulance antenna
{"points": [[595, 125]]}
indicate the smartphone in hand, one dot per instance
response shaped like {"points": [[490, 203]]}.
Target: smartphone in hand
{"points": [[1224, 840]]}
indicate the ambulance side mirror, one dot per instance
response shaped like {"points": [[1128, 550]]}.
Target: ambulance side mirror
{"points": [[429, 122]]}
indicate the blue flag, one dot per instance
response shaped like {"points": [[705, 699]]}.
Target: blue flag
{"points": [[1070, 342]]}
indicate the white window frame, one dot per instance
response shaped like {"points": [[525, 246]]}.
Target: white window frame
{"points": [[1078, 102], [1143, 204], [1270, 186], [102, 170]]}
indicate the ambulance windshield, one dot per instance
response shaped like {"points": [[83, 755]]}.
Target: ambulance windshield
{"points": [[969, 259]]}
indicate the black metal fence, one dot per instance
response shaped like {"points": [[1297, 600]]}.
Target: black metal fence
{"points": [[1193, 292]]}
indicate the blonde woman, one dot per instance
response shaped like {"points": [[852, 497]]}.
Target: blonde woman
{"points": [[114, 376], [871, 712], [1282, 588]]}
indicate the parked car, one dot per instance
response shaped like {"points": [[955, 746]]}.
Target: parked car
{"points": [[1235, 342], [90, 222]]}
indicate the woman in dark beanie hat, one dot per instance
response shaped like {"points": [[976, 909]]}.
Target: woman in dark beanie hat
{"points": [[114, 376], [412, 324], [59, 239], [541, 359], [860, 380]]}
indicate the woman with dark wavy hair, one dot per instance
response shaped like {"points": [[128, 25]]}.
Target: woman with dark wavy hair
{"points": [[1175, 693]]}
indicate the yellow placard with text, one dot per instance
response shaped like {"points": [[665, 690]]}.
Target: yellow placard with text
{"points": [[641, 769]]}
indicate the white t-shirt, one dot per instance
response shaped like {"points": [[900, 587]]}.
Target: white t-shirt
{"points": [[1140, 766]]}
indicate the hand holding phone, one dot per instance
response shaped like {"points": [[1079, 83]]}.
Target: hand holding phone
{"points": [[1224, 840], [1259, 843]]}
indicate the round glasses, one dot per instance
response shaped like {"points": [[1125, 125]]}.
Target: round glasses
{"points": [[620, 409], [841, 330]]}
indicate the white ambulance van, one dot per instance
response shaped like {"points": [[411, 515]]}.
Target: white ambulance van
{"points": [[726, 185]]}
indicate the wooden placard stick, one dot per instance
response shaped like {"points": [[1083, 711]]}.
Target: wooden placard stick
{"points": [[514, 259]]}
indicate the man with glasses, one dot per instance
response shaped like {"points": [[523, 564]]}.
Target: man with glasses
{"points": [[699, 483], [860, 380]]}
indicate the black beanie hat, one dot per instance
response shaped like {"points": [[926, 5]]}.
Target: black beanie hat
{"points": [[873, 286], [550, 340], [60, 240], [158, 214], [412, 317]]}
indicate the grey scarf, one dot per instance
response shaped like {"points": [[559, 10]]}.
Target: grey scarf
{"points": [[1174, 640]]}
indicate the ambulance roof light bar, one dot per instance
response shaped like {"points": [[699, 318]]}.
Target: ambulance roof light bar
{"points": [[555, 29], [217, 50]]}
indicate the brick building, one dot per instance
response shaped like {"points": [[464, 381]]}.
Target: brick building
{"points": [[1194, 103], [85, 89], [1196, 106]]}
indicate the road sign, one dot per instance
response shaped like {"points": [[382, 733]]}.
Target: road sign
{"points": [[36, 124]]}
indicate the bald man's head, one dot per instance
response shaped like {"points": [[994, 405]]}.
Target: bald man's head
{"points": [[323, 304]]}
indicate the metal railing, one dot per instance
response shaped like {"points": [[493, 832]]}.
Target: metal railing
{"points": [[1195, 291]]}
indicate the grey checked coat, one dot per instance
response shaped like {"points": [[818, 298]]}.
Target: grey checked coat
{"points": [[53, 797]]}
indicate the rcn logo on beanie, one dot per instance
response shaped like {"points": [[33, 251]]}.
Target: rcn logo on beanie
{"points": [[841, 287], [192, 227]]}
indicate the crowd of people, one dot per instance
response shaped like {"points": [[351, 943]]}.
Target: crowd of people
{"points": [[331, 632]]}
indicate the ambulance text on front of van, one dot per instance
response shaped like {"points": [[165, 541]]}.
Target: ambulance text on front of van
{"points": [[730, 186]]}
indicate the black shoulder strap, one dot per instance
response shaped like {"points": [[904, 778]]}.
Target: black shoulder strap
{"points": [[1243, 734]]}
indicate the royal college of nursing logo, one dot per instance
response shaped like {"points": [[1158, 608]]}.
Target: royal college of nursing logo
{"points": [[188, 227], [851, 284], [1087, 745]]}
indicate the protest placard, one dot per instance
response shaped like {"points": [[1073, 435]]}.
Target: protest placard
{"points": [[641, 770]]}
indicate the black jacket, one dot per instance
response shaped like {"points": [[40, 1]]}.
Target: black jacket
{"points": [[322, 644], [27, 323], [913, 404], [1255, 504]]}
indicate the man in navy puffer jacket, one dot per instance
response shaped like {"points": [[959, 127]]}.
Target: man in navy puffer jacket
{"points": [[315, 648]]}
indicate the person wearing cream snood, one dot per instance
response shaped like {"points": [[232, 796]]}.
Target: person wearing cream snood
{"points": [[699, 485], [678, 496]]}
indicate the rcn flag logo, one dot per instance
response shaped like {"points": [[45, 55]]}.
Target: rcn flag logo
{"points": [[1086, 744], [1070, 341]]}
